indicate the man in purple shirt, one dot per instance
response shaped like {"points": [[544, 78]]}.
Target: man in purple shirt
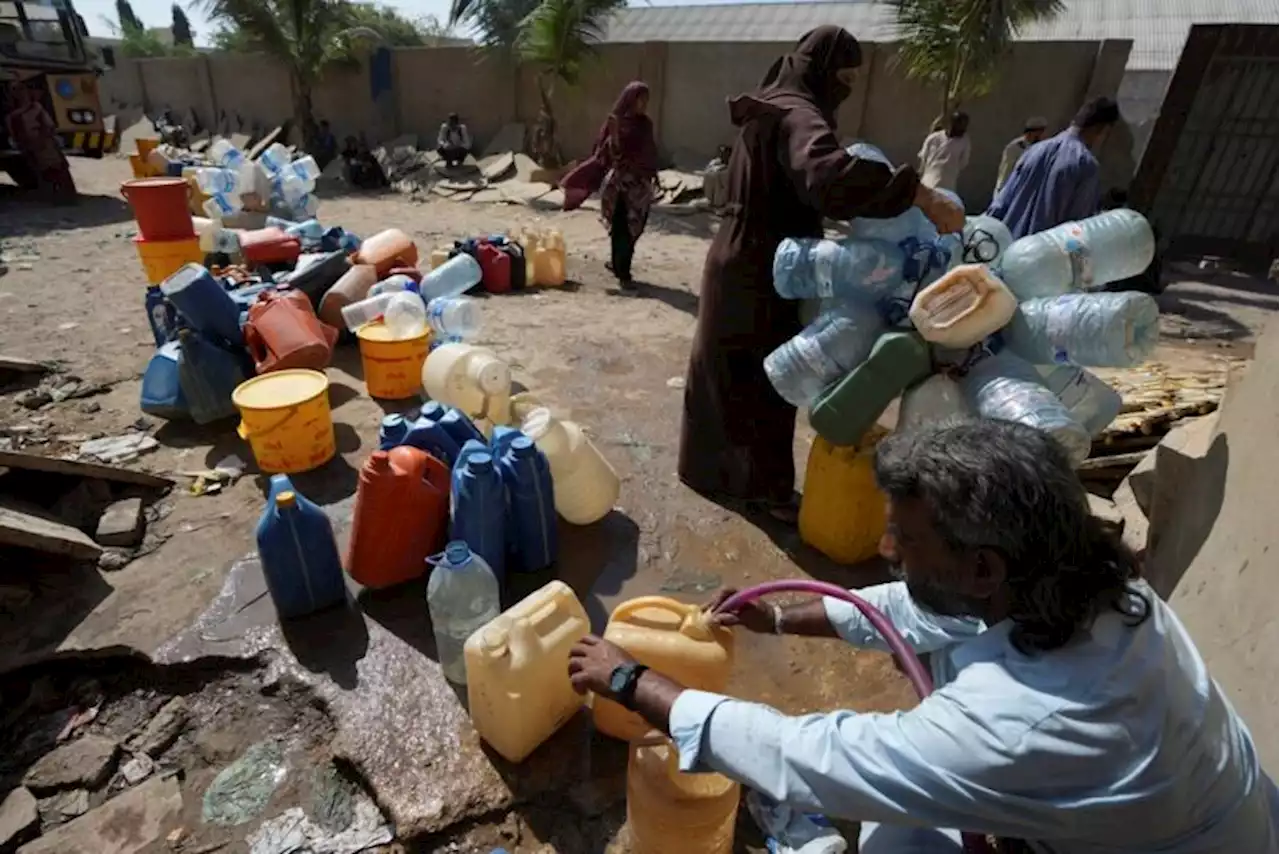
{"points": [[1056, 180]]}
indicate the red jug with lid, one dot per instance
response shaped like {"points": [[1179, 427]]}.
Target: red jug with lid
{"points": [[284, 332], [495, 268], [401, 516], [269, 246]]}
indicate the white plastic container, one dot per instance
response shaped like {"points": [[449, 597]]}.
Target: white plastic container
{"points": [[470, 378], [931, 401], [405, 316], [392, 284], [462, 596], [367, 310], [453, 318], [1092, 402], [275, 158], [586, 486], [518, 689], [453, 278], [963, 307], [985, 239]]}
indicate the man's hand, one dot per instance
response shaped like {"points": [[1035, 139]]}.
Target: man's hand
{"points": [[591, 663], [753, 616]]}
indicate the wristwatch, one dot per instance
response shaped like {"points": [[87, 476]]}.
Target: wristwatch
{"points": [[623, 681]]}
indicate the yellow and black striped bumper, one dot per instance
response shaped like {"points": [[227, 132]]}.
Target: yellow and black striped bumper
{"points": [[88, 143]]}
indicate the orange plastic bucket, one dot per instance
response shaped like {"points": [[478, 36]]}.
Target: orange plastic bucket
{"points": [[160, 206]]}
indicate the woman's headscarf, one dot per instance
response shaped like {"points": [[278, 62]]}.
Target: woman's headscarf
{"points": [[636, 146], [810, 68]]}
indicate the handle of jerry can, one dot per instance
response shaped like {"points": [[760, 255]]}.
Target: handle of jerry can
{"points": [[436, 473], [628, 610]]}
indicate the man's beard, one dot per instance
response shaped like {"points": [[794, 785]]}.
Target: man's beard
{"points": [[936, 599]]}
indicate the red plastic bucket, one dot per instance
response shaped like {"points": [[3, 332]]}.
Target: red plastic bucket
{"points": [[160, 207]]}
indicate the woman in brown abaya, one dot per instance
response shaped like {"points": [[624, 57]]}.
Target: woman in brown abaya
{"points": [[787, 171]]}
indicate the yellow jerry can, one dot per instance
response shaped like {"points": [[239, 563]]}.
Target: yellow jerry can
{"points": [[842, 510]]}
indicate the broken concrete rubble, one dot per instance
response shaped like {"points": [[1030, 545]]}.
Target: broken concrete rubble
{"points": [[126, 824], [18, 818], [86, 763], [63, 806], [121, 524], [163, 729]]}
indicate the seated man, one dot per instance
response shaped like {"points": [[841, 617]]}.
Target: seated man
{"points": [[453, 143], [1072, 711]]}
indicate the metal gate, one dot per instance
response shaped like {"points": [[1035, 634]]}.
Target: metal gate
{"points": [[1207, 180]]}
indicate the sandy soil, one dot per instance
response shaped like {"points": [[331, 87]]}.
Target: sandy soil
{"points": [[74, 293]]}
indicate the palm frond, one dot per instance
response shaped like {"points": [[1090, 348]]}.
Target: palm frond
{"points": [[562, 34]]}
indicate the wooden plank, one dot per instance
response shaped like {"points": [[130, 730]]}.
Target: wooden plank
{"points": [[265, 143], [33, 528], [53, 465], [23, 366], [1111, 461]]}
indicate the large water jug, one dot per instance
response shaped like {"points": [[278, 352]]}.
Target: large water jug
{"points": [[936, 399], [405, 316], [462, 597], [298, 553], [1109, 247], [668, 811], [911, 223], [456, 423], [807, 268], [836, 342], [986, 239], [432, 437], [1006, 387], [675, 639], [477, 513], [388, 249], [1090, 401], [586, 486], [208, 375], [401, 510], [532, 540], [202, 302], [849, 408], [518, 689], [466, 377], [353, 287], [842, 509], [453, 278], [1104, 330], [391, 432], [963, 307], [161, 393], [453, 318]]}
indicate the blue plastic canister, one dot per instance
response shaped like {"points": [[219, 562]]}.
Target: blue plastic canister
{"points": [[460, 427], [532, 541], [208, 375], [477, 512], [392, 432], [161, 389], [298, 552], [161, 316], [431, 437], [203, 303]]}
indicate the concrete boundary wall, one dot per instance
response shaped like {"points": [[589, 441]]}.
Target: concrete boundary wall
{"points": [[689, 82]]}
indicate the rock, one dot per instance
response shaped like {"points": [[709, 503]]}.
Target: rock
{"points": [[137, 769], [33, 398], [64, 806], [162, 729], [86, 763], [112, 560], [1107, 513], [81, 505], [121, 524], [126, 824], [117, 448], [18, 818]]}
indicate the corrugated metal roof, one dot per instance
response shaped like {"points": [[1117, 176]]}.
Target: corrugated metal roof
{"points": [[1158, 28]]}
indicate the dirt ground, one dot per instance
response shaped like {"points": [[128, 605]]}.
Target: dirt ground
{"points": [[614, 363]]}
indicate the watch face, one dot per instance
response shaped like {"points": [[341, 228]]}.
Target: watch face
{"points": [[619, 678]]}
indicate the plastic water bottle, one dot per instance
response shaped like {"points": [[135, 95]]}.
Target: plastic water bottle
{"points": [[1109, 247], [222, 205], [986, 239], [1090, 401], [805, 268], [215, 238], [934, 399], [309, 232], [453, 278], [831, 346], [453, 318], [226, 155], [357, 314], [911, 223], [405, 316], [1006, 387], [462, 596], [275, 158], [214, 181], [305, 168], [393, 284], [1109, 330]]}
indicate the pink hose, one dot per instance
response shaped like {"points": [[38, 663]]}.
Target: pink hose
{"points": [[916, 674]]}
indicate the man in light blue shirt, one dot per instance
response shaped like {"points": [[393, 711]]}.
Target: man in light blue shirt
{"points": [[1071, 709], [1057, 180]]}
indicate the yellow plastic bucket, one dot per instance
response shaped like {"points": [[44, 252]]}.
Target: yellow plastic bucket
{"points": [[161, 259], [392, 369], [285, 417]]}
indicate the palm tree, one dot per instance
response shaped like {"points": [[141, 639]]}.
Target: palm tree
{"points": [[957, 45], [560, 37], [496, 22], [306, 35]]}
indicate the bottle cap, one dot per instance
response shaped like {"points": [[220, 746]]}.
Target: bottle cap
{"points": [[522, 445], [457, 554], [480, 462], [392, 422], [286, 499]]}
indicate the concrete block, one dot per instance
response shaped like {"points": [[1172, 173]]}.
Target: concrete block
{"points": [[1106, 511], [121, 524]]}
